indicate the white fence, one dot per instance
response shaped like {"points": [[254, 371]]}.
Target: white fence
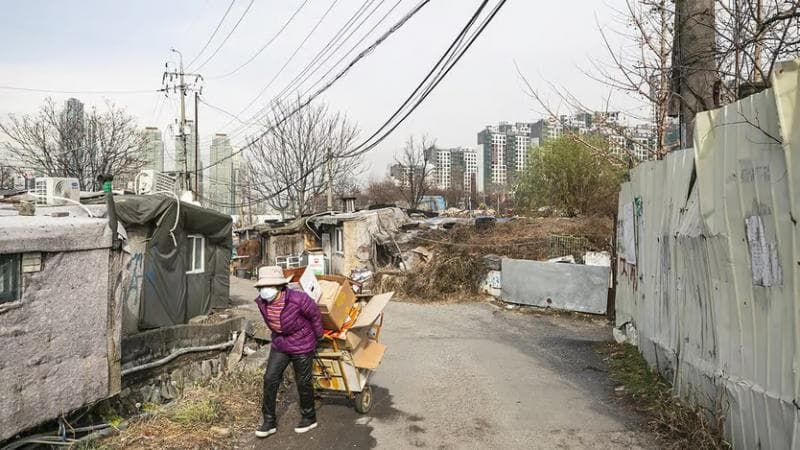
{"points": [[709, 259]]}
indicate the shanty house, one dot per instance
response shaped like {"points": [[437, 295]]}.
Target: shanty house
{"points": [[60, 325], [360, 239], [67, 300], [286, 243], [179, 261]]}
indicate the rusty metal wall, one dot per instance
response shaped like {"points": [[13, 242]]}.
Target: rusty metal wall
{"points": [[709, 259]]}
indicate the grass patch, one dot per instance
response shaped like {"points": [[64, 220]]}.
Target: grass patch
{"points": [[207, 416], [198, 412], [676, 423]]}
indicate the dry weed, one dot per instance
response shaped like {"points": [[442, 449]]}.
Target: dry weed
{"points": [[209, 416], [676, 423]]}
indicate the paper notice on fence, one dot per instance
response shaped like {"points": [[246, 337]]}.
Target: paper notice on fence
{"points": [[763, 254], [627, 237]]}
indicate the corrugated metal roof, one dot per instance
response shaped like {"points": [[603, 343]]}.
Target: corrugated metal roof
{"points": [[714, 295]]}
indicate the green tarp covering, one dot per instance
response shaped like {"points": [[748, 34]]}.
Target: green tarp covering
{"points": [[170, 296]]}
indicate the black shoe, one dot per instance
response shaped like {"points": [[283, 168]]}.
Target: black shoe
{"points": [[306, 424], [266, 429]]}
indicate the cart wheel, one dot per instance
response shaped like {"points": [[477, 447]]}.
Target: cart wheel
{"points": [[364, 400]]}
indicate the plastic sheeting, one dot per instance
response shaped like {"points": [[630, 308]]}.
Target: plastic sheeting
{"points": [[169, 295], [711, 295]]}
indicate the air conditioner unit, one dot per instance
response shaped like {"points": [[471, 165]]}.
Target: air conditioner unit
{"points": [[150, 181], [57, 191]]}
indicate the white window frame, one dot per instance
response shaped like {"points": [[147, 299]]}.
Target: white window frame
{"points": [[192, 239], [338, 241]]}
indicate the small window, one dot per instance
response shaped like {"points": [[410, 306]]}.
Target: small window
{"points": [[339, 241], [198, 255], [10, 275]]}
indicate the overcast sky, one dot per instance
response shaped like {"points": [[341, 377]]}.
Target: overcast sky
{"points": [[95, 45]]}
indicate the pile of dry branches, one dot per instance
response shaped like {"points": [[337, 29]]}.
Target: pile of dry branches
{"points": [[456, 266]]}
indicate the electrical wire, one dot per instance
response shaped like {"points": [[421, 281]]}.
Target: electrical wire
{"points": [[219, 109], [438, 64], [352, 49], [339, 34], [307, 71], [452, 59], [254, 119], [224, 41], [57, 91], [267, 44], [330, 83], [216, 30], [286, 64]]}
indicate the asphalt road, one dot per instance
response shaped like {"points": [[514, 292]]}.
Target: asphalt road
{"points": [[476, 376]]}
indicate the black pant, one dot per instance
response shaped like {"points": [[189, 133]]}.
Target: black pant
{"points": [[276, 365]]}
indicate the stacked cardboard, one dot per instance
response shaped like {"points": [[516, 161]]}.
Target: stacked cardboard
{"points": [[354, 326], [336, 300]]}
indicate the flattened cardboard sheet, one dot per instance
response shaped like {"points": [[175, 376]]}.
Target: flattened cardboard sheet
{"points": [[370, 313], [369, 356]]}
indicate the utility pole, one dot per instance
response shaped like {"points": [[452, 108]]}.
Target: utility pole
{"points": [[196, 167], [330, 179], [696, 81], [174, 80]]}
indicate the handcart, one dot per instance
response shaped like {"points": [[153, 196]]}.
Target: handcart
{"points": [[346, 359]]}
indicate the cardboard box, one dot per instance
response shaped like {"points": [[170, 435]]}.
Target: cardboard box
{"points": [[310, 284], [335, 301]]}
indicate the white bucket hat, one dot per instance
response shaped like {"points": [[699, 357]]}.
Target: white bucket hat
{"points": [[271, 276]]}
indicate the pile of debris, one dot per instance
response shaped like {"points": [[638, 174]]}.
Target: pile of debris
{"points": [[450, 260]]}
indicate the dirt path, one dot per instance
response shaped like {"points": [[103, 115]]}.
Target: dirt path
{"points": [[475, 376]]}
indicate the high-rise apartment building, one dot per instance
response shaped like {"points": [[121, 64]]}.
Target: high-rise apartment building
{"points": [[221, 176], [454, 167], [153, 149], [503, 150]]}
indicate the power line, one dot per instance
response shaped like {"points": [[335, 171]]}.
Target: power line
{"points": [[254, 118], [267, 44], [445, 58], [224, 41], [342, 73], [58, 91], [359, 12], [288, 61], [227, 113], [212, 34], [352, 49], [450, 58]]}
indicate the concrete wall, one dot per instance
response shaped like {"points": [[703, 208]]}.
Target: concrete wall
{"points": [[571, 287], [56, 354], [708, 270]]}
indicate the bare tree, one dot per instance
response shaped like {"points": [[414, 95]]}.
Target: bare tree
{"points": [[68, 142], [681, 57], [752, 36], [288, 164], [381, 192], [413, 169]]}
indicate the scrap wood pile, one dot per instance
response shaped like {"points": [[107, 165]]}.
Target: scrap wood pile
{"points": [[452, 263]]}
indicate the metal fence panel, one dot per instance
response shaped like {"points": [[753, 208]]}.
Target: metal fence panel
{"points": [[713, 292]]}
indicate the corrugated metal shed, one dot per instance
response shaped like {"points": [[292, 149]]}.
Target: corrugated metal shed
{"points": [[713, 294]]}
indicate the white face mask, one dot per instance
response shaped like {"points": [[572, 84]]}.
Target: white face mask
{"points": [[268, 293]]}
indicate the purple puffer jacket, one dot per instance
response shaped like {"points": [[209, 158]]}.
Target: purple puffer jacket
{"points": [[301, 323]]}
